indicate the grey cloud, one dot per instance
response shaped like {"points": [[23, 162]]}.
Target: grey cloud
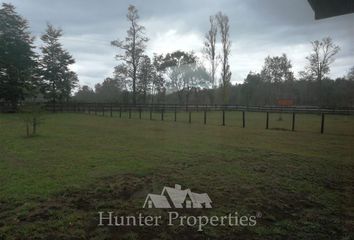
{"points": [[258, 28]]}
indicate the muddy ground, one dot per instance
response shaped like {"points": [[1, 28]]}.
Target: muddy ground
{"points": [[73, 214]]}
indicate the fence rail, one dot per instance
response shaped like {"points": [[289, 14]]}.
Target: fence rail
{"points": [[77, 107], [114, 109]]}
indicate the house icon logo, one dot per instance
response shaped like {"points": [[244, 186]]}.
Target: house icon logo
{"points": [[177, 198]]}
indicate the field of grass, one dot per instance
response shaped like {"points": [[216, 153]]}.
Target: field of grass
{"points": [[52, 185]]}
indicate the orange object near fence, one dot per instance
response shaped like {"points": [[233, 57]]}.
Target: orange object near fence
{"points": [[285, 102]]}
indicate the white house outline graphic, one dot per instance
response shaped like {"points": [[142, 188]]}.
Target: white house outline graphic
{"points": [[177, 198]]}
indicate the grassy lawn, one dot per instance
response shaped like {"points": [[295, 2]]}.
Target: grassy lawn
{"points": [[52, 185]]}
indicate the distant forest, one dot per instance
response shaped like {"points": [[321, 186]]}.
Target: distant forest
{"points": [[255, 91], [178, 77]]}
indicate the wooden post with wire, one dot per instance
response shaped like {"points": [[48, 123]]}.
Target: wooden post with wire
{"points": [[243, 119], [322, 122]]}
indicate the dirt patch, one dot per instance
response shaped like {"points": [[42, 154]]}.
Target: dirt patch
{"points": [[73, 214]]}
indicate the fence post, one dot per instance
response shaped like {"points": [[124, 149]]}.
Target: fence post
{"points": [[243, 119], [175, 113], [150, 113], [139, 113], [267, 121], [205, 117], [162, 111], [190, 117], [111, 110], [293, 125], [322, 123], [102, 109], [223, 117], [130, 113], [95, 108], [120, 111]]}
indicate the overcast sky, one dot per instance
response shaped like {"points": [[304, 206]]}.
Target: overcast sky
{"points": [[258, 28]]}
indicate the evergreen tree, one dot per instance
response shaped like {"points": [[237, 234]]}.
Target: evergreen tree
{"points": [[17, 58], [58, 79]]}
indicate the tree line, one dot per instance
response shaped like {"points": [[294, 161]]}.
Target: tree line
{"points": [[177, 77], [181, 77], [26, 74]]}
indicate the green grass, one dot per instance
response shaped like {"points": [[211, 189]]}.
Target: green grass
{"points": [[334, 124], [300, 181]]}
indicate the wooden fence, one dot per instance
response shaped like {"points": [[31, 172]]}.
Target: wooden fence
{"points": [[113, 109]]}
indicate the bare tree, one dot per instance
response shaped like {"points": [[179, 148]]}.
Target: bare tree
{"points": [[223, 22], [320, 59], [133, 47], [210, 49], [350, 75]]}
